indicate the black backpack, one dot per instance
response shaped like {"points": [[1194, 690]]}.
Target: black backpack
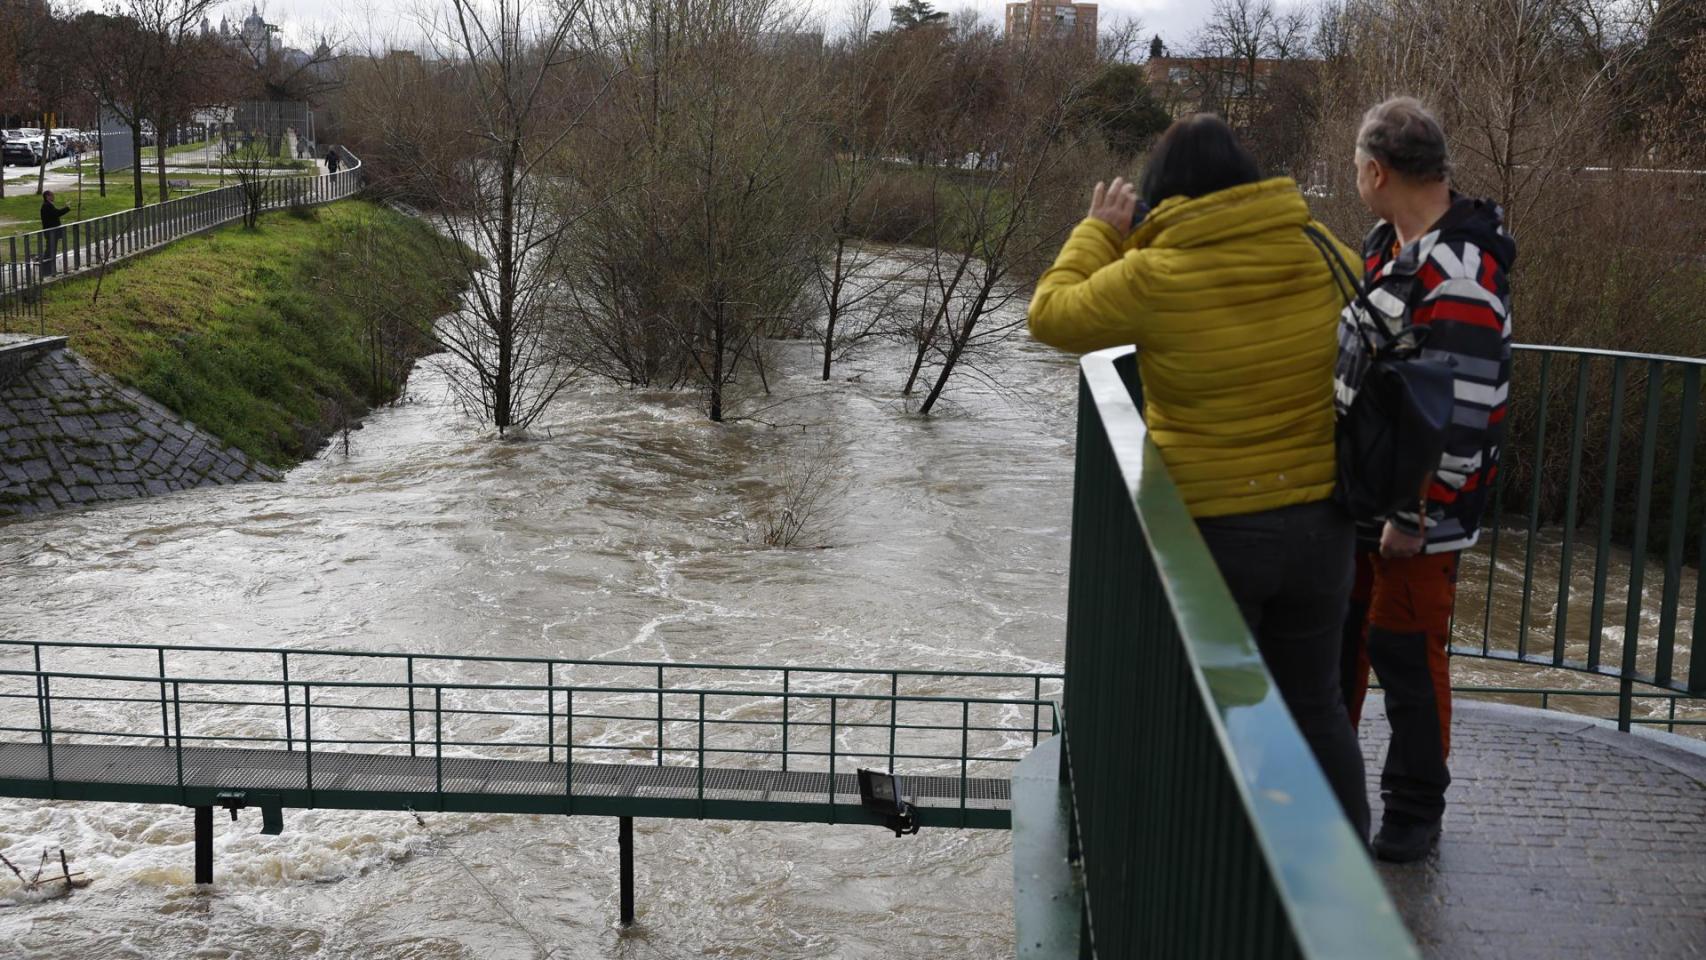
{"points": [[1389, 442]]}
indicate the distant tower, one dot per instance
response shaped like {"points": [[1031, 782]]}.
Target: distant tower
{"points": [[257, 33]]}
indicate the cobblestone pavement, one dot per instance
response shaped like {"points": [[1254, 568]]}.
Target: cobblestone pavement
{"points": [[1563, 839]]}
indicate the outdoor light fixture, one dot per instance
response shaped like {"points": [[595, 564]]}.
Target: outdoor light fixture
{"points": [[880, 792]]}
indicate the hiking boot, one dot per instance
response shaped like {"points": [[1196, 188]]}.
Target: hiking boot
{"points": [[1405, 841]]}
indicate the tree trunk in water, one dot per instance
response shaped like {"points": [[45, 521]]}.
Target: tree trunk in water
{"points": [[834, 307], [935, 324], [717, 368], [502, 406], [961, 338]]}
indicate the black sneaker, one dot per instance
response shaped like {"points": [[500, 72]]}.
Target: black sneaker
{"points": [[1405, 841]]}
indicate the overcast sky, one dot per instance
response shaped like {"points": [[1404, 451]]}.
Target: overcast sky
{"points": [[1175, 20]]}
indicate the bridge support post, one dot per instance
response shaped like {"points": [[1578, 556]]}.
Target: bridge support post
{"points": [[625, 847], [204, 844]]}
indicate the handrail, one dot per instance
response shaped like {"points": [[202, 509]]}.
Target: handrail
{"points": [[1204, 824], [85, 244], [518, 687], [540, 661]]}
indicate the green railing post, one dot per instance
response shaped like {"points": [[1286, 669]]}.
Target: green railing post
{"points": [[165, 728], [308, 741], [965, 754], [1676, 538], [1638, 547], [410, 671], [1036, 705], [660, 716], [701, 770], [47, 732], [786, 700], [438, 741], [1566, 555], [1535, 473], [569, 749], [894, 693], [550, 713], [284, 666], [832, 718], [41, 698], [1607, 509], [178, 726]]}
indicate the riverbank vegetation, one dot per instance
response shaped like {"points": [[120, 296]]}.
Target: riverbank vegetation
{"points": [[271, 338], [661, 190]]}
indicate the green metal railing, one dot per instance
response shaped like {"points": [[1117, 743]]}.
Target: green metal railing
{"points": [[1204, 826], [1603, 504], [970, 727], [85, 244]]}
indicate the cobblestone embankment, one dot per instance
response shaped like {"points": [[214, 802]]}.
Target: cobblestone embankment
{"points": [[71, 436]]}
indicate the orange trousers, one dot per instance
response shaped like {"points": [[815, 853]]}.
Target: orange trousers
{"points": [[1399, 625]]}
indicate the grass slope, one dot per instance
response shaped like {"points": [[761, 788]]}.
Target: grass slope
{"points": [[242, 331]]}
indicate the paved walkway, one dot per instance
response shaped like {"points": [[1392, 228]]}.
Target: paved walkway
{"points": [[1565, 839]]}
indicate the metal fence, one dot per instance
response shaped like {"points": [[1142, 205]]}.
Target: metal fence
{"points": [[1205, 827], [1603, 507], [29, 261], [958, 735]]}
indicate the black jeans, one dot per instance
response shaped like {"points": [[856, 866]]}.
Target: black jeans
{"points": [[1290, 571]]}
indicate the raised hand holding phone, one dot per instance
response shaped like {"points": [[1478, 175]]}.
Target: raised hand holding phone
{"points": [[1115, 204]]}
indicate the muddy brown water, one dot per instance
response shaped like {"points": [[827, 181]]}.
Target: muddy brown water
{"points": [[627, 527]]}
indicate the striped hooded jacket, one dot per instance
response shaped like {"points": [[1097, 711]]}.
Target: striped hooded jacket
{"points": [[1454, 282]]}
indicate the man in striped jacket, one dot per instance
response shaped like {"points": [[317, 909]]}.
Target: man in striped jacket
{"points": [[1440, 261]]}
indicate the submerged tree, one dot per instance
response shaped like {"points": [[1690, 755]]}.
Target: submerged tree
{"points": [[483, 118], [703, 250]]}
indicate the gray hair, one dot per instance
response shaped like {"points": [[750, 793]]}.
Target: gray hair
{"points": [[1406, 138]]}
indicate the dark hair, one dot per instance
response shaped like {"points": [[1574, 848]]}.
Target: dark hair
{"points": [[1197, 156]]}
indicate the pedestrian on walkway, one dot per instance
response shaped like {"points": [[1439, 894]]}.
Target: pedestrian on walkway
{"points": [[331, 161], [1234, 313], [52, 232], [1439, 261]]}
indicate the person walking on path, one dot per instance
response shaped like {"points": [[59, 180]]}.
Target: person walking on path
{"points": [[52, 232], [1234, 312], [1438, 261], [331, 162]]}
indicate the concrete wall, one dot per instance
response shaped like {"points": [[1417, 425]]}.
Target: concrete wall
{"points": [[71, 436]]}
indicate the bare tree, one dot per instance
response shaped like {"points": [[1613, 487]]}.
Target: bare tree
{"points": [[1028, 161], [396, 318], [682, 275], [189, 70], [483, 117], [865, 101]]}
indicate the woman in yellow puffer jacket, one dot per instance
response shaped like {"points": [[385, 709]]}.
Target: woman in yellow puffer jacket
{"points": [[1234, 312]]}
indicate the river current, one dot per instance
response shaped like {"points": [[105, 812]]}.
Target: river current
{"points": [[624, 527]]}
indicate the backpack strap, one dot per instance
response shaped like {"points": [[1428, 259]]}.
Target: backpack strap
{"points": [[1351, 289]]}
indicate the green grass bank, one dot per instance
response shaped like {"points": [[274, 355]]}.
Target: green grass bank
{"points": [[271, 338]]}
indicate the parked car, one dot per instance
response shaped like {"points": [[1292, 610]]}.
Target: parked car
{"points": [[21, 154]]}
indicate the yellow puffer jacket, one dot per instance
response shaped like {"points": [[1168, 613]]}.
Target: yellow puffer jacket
{"points": [[1234, 315]]}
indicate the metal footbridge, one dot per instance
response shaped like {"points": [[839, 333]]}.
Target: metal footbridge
{"points": [[205, 726]]}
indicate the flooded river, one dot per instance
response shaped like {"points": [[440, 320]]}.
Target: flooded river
{"points": [[626, 527]]}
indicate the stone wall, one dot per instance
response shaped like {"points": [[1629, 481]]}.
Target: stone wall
{"points": [[72, 436]]}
